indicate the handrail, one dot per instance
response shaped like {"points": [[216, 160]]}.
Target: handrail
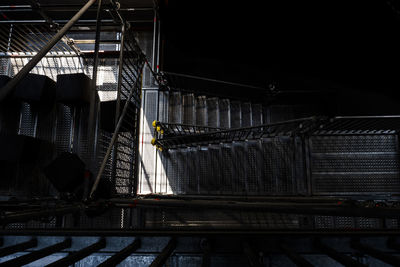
{"points": [[32, 63]]}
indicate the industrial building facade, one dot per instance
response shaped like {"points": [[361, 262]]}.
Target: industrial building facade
{"points": [[109, 157]]}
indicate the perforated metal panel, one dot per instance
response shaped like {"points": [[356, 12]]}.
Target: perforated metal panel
{"points": [[64, 128], [278, 165], [192, 177], [256, 114], [212, 112], [239, 178], [224, 113], [175, 108], [214, 184], [254, 169], [246, 115], [28, 121], [236, 114], [203, 168], [188, 109], [226, 167], [201, 111], [366, 164]]}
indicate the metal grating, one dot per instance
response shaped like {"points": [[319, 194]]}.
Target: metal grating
{"points": [[355, 164], [29, 39]]}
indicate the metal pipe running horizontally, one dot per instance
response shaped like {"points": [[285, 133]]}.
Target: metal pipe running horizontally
{"points": [[328, 209], [38, 214], [32, 63]]}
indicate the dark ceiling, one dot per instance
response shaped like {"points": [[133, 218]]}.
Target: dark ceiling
{"points": [[354, 43]]}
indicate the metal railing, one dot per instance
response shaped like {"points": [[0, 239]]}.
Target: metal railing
{"points": [[43, 51], [179, 138], [171, 135], [121, 155]]}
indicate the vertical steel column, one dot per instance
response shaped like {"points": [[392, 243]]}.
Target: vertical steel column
{"points": [[135, 171], [80, 254], [38, 254], [121, 255], [165, 253], [18, 247], [93, 97]]}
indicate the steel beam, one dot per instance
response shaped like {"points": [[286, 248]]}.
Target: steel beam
{"points": [[121, 255], [38, 214], [80, 254], [38, 254], [18, 247], [165, 253], [204, 233], [329, 209]]}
